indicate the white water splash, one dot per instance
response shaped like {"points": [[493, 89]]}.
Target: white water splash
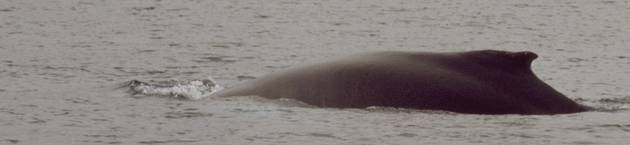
{"points": [[190, 90]]}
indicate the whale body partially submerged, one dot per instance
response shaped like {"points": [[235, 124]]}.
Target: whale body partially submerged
{"points": [[478, 82]]}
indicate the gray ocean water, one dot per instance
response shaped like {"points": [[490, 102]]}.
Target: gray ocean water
{"points": [[64, 65]]}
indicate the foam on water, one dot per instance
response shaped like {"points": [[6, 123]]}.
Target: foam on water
{"points": [[190, 90]]}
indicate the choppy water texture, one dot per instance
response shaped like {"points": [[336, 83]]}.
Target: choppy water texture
{"points": [[62, 65]]}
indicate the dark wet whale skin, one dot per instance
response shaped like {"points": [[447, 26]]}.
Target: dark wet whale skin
{"points": [[478, 82]]}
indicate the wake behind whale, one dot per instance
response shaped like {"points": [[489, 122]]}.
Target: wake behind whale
{"points": [[188, 89]]}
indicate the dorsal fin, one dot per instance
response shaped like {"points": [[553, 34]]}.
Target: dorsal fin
{"points": [[504, 59], [526, 57]]}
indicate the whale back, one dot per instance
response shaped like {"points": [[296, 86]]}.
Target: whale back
{"points": [[481, 82]]}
